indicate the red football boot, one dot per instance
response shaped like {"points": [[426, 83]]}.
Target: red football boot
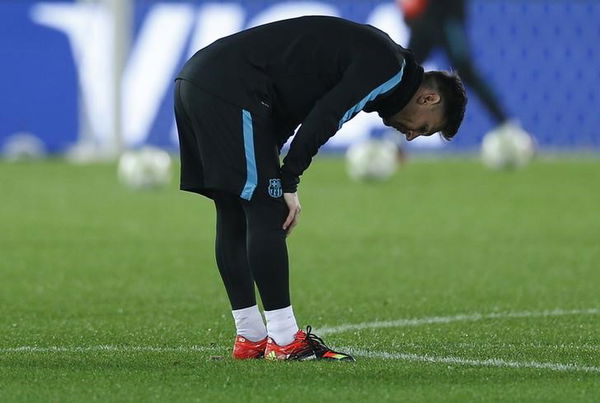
{"points": [[306, 346], [244, 349]]}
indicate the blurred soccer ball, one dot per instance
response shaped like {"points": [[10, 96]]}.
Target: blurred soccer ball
{"points": [[372, 160], [23, 146], [507, 147], [146, 168]]}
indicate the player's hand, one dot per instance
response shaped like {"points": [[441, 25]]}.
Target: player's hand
{"points": [[293, 203]]}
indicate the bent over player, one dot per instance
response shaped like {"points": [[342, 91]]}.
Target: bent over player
{"points": [[237, 102]]}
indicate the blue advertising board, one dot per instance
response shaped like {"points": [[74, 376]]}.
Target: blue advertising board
{"points": [[542, 58]]}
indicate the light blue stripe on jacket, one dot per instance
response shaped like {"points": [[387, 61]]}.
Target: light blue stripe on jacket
{"points": [[382, 89], [251, 174]]}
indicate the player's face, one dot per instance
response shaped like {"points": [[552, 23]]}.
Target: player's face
{"points": [[422, 116]]}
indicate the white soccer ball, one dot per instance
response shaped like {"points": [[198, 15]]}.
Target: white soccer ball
{"points": [[149, 167], [507, 147], [23, 146], [372, 160]]}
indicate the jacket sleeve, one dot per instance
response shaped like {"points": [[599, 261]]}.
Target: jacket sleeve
{"points": [[362, 82]]}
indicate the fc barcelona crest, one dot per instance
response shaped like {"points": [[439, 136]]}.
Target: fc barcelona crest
{"points": [[275, 188]]}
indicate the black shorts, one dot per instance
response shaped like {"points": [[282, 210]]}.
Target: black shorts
{"points": [[224, 147]]}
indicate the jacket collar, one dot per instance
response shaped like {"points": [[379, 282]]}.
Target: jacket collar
{"points": [[393, 101]]}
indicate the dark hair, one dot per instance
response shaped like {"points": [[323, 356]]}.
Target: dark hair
{"points": [[453, 95]]}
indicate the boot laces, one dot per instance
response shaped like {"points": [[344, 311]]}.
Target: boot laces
{"points": [[316, 343]]}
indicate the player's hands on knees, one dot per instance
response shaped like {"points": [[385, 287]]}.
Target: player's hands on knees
{"points": [[293, 203]]}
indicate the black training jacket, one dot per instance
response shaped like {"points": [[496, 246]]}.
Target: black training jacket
{"points": [[315, 71]]}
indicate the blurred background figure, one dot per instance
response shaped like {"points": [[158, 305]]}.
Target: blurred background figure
{"points": [[442, 24]]}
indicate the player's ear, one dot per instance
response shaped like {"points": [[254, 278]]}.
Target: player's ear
{"points": [[429, 98]]}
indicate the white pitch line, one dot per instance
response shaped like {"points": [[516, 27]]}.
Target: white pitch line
{"points": [[456, 318], [109, 348], [492, 362], [515, 346]]}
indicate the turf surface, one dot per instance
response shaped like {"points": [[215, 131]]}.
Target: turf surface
{"points": [[112, 295]]}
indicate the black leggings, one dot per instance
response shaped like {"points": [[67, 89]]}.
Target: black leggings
{"points": [[251, 248]]}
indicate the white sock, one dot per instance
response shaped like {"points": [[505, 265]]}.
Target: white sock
{"points": [[281, 325], [249, 323]]}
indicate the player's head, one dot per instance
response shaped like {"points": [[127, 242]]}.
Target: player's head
{"points": [[437, 106]]}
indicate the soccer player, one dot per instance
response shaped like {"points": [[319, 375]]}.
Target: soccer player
{"points": [[442, 23], [238, 101]]}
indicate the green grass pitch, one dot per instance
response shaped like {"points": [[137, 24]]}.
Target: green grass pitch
{"points": [[483, 286]]}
